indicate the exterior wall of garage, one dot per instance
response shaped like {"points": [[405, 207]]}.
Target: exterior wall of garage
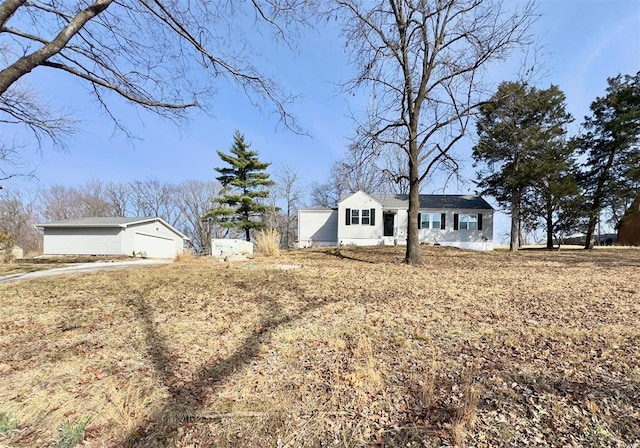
{"points": [[85, 241], [152, 239]]}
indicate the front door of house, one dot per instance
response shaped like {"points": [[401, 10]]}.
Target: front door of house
{"points": [[388, 224]]}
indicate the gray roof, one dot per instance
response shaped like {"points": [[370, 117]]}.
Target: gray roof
{"points": [[106, 222], [434, 201], [96, 222]]}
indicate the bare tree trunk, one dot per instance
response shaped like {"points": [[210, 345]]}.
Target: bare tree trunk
{"points": [[591, 230], [550, 229], [515, 222], [413, 255]]}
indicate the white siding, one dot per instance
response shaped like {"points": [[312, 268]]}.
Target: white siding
{"points": [[82, 241], [313, 226], [317, 228], [360, 234], [464, 239], [154, 246], [153, 239]]}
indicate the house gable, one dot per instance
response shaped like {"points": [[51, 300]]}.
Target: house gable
{"points": [[359, 219]]}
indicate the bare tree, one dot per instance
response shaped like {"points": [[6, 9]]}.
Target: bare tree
{"points": [[423, 61], [395, 172], [288, 192], [154, 198], [194, 199], [11, 162], [59, 203], [118, 196], [17, 219], [163, 56], [93, 199], [348, 175]]}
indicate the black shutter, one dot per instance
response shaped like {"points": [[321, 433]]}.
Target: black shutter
{"points": [[372, 219], [443, 221], [479, 221], [455, 221], [419, 220], [348, 217]]}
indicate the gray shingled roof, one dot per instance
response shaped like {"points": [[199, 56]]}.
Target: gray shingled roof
{"points": [[95, 222], [434, 201], [103, 222]]}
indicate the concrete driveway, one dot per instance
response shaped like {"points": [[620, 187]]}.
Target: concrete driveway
{"points": [[81, 267]]}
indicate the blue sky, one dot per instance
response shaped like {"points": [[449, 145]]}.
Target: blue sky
{"points": [[584, 42]]}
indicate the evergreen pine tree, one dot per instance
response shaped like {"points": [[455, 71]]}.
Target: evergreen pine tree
{"points": [[553, 197], [521, 144], [244, 181], [611, 144]]}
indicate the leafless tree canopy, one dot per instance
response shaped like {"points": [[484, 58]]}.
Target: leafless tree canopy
{"points": [[423, 62], [284, 199], [164, 56], [17, 217]]}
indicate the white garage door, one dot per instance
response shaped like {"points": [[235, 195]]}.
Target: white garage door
{"points": [[154, 246]]}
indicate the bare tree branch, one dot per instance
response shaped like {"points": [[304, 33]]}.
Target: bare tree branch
{"points": [[151, 53]]}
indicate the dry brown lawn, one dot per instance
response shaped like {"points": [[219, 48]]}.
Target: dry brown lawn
{"points": [[21, 266], [352, 349], [40, 264]]}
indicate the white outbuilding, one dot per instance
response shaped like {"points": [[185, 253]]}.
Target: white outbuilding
{"points": [[147, 237]]}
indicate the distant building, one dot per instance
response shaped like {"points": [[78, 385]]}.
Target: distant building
{"points": [[580, 239]]}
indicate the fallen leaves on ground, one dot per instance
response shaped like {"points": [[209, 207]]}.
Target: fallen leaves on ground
{"points": [[354, 348]]}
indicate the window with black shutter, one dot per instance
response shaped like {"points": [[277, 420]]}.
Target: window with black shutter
{"points": [[365, 217]]}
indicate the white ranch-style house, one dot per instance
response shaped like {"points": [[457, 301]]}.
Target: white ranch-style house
{"points": [[148, 237], [362, 219]]}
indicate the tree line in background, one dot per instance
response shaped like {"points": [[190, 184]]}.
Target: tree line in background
{"points": [[184, 205], [549, 180]]}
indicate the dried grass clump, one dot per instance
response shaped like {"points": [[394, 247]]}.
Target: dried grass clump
{"points": [[465, 416], [268, 243], [185, 256]]}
